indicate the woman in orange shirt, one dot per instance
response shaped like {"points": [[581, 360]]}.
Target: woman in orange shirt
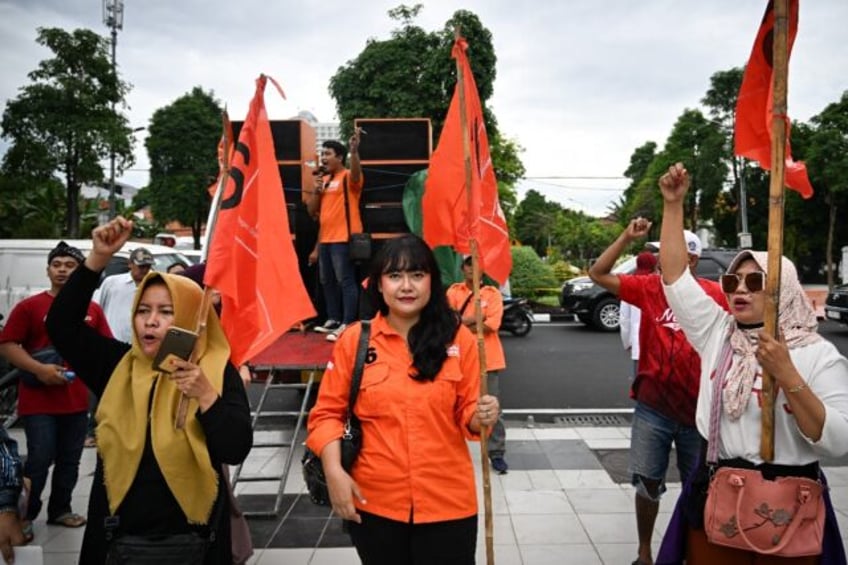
{"points": [[410, 497]]}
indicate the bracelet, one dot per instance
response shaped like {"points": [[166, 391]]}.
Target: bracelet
{"points": [[796, 388]]}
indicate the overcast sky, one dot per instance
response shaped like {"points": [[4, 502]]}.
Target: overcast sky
{"points": [[580, 83]]}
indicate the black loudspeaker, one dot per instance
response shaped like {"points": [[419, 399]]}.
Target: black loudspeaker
{"points": [[395, 139], [385, 183], [287, 138], [386, 217], [292, 178]]}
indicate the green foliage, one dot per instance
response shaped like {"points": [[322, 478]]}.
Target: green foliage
{"points": [[529, 273], [535, 220], [31, 209], [183, 159], [64, 124]]}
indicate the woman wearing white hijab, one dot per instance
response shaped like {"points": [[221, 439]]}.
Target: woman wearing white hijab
{"points": [[811, 407]]}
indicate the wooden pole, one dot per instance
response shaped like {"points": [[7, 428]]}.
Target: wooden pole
{"points": [[780, 64], [206, 302], [475, 267]]}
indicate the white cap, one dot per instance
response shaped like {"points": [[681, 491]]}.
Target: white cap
{"points": [[693, 243]]}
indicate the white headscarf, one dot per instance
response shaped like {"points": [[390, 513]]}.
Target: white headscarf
{"points": [[796, 320]]}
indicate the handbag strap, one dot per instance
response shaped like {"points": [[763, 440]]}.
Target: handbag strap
{"points": [[358, 367], [725, 359], [465, 304], [347, 204]]}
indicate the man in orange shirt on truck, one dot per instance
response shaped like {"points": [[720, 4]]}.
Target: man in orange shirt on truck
{"points": [[335, 202], [460, 298]]}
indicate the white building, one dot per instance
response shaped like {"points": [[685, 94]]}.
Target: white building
{"points": [[323, 130]]}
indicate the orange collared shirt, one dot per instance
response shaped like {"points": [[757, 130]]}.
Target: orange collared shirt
{"points": [[414, 459], [332, 223], [491, 302]]}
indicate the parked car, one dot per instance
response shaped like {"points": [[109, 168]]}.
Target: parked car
{"points": [[23, 265], [595, 306], [836, 305]]}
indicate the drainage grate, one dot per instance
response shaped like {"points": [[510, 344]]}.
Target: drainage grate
{"points": [[593, 420]]}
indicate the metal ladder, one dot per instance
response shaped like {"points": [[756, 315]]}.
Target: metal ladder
{"points": [[290, 446]]}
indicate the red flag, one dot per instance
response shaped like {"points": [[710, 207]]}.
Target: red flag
{"points": [[252, 261], [447, 219], [754, 110]]}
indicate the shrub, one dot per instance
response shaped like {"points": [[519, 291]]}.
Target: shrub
{"points": [[530, 275]]}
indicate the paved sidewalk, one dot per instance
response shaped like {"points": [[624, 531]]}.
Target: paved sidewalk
{"points": [[564, 500]]}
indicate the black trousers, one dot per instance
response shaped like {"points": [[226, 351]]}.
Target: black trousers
{"points": [[380, 541]]}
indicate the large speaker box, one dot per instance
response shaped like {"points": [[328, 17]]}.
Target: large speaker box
{"points": [[385, 183], [403, 139], [294, 140]]}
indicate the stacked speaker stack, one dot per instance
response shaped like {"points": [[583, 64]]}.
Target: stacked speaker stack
{"points": [[390, 151]]}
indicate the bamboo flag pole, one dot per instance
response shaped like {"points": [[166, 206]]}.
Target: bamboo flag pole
{"points": [[780, 64], [206, 302], [475, 267]]}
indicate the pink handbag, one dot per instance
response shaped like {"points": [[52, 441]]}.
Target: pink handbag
{"points": [[744, 510], [784, 517]]}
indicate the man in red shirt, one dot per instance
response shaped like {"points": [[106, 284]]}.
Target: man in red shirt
{"points": [[667, 380], [335, 202], [51, 400]]}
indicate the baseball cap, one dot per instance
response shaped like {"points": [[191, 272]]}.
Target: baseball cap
{"points": [[62, 249], [693, 243], [646, 263], [141, 256]]}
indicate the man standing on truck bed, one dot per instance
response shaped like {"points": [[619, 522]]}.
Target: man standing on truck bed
{"points": [[335, 202]]}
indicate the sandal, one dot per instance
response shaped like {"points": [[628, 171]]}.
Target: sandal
{"points": [[26, 528], [68, 520]]}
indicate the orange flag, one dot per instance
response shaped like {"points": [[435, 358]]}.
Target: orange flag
{"points": [[446, 215], [251, 260], [754, 110]]}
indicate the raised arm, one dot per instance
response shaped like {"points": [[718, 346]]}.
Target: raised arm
{"points": [[674, 256], [355, 166], [601, 271]]}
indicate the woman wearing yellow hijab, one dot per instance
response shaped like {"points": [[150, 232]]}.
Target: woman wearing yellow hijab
{"points": [[153, 480]]}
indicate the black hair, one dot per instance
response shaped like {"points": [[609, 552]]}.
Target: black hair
{"points": [[337, 147], [436, 328]]}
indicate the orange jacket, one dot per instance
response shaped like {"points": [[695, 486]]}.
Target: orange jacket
{"points": [[491, 302], [331, 223], [414, 453]]}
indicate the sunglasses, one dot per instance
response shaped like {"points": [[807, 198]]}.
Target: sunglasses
{"points": [[754, 282]]}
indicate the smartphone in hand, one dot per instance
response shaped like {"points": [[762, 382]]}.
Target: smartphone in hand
{"points": [[178, 343]]}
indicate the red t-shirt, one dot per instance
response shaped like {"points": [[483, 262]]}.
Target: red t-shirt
{"points": [[26, 327], [669, 368]]}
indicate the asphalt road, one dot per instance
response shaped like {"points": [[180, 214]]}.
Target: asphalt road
{"points": [[569, 366]]}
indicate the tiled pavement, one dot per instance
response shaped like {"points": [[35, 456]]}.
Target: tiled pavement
{"points": [[564, 500]]}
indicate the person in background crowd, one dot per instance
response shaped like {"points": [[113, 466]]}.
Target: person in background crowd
{"points": [[11, 482], [176, 268], [52, 402], [666, 386], [811, 376], [410, 497], [460, 298], [153, 480], [338, 217], [646, 263]]}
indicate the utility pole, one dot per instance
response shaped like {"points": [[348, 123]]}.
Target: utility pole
{"points": [[113, 17]]}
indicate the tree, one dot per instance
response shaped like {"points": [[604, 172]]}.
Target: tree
{"points": [[183, 159], [530, 275], [826, 153], [64, 123], [412, 74], [534, 221]]}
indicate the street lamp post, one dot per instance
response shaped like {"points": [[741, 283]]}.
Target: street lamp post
{"points": [[113, 17]]}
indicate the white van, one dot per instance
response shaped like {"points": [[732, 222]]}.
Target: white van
{"points": [[23, 265]]}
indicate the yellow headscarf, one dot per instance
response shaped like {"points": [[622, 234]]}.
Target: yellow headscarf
{"points": [[122, 415]]}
